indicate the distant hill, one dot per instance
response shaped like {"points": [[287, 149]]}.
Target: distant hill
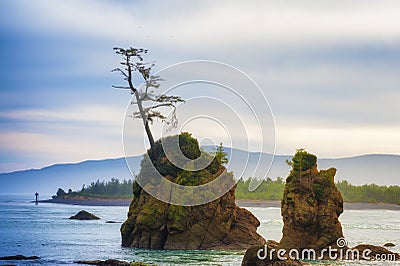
{"points": [[378, 169], [72, 175]]}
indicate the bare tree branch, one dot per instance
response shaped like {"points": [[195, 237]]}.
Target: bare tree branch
{"points": [[132, 61], [121, 87]]}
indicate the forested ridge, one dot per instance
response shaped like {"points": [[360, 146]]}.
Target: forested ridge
{"points": [[268, 190]]}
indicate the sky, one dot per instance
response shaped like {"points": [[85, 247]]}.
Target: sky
{"points": [[329, 71]]}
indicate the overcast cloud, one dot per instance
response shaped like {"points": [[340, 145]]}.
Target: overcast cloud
{"points": [[329, 70]]}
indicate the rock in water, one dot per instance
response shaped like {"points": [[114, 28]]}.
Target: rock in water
{"points": [[311, 206], [389, 245], [374, 251], [19, 257], [260, 256], [219, 224], [84, 215]]}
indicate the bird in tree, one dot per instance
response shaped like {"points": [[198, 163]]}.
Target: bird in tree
{"points": [[149, 104]]}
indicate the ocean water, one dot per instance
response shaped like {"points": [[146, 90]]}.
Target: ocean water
{"points": [[44, 230]]}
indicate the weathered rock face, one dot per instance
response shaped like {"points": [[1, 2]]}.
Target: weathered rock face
{"points": [[219, 224], [311, 206]]}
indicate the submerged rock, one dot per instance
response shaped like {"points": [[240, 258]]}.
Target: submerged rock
{"points": [[311, 206], [19, 257], [84, 215], [219, 224], [111, 262]]}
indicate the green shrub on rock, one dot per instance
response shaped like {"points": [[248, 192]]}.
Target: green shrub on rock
{"points": [[302, 161]]}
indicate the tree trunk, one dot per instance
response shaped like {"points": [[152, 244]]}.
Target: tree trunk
{"points": [[146, 123]]}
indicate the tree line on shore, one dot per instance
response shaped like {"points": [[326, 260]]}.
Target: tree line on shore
{"points": [[268, 190]]}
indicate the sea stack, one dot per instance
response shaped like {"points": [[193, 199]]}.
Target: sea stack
{"points": [[311, 206], [219, 224]]}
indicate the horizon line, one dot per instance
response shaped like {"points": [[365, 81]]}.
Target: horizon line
{"points": [[122, 157]]}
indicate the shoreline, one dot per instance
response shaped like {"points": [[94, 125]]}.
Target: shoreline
{"points": [[240, 203], [89, 202]]}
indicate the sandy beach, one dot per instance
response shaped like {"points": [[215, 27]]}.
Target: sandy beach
{"points": [[241, 203]]}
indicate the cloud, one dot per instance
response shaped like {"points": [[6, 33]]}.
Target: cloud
{"points": [[337, 141], [328, 68], [218, 24], [99, 115]]}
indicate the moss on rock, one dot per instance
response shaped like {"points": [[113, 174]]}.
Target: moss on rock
{"points": [[219, 224]]}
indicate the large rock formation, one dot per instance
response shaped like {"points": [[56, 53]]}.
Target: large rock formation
{"points": [[311, 206], [219, 224]]}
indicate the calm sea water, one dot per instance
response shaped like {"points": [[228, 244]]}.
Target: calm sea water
{"points": [[44, 230]]}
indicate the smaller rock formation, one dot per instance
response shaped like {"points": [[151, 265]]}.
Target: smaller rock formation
{"points": [[310, 209], [376, 252], [19, 257], [84, 215], [389, 245], [311, 205], [259, 256]]}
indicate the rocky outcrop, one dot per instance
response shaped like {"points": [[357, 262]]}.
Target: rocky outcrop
{"points": [[260, 256], [376, 253], [219, 224], [19, 257], [311, 206], [389, 245], [84, 215]]}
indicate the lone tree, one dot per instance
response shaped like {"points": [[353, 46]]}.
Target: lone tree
{"points": [[132, 62], [220, 154]]}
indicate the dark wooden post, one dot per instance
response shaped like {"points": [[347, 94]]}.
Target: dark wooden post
{"points": [[37, 195]]}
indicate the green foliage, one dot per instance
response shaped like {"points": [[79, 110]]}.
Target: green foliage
{"points": [[268, 190], [60, 193], [273, 190], [369, 193], [302, 161], [100, 189], [318, 191], [220, 154], [188, 146]]}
